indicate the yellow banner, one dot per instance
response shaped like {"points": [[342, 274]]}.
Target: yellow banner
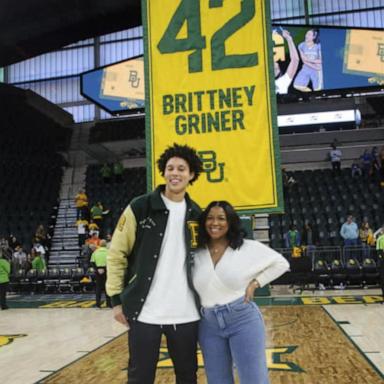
{"points": [[208, 86]]}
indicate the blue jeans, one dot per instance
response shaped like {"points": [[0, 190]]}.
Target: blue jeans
{"points": [[233, 334]]}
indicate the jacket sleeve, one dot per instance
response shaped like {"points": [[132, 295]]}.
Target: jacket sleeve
{"points": [[122, 243]]}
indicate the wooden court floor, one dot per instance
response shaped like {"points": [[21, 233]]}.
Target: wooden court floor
{"points": [[304, 345]]}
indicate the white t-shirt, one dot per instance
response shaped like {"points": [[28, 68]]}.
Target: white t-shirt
{"points": [[170, 300], [282, 84], [237, 267], [335, 155]]}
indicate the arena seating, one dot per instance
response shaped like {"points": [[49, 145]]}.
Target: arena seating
{"points": [[117, 130], [325, 200], [114, 196]]}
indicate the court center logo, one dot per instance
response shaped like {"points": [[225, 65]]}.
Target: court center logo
{"points": [[8, 339], [275, 359], [213, 169]]}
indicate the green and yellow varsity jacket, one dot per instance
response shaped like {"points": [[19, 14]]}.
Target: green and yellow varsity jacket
{"points": [[135, 249]]}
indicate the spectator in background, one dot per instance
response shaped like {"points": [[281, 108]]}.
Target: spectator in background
{"points": [[42, 236], [13, 243], [81, 202], [82, 231], [93, 229], [38, 262], [380, 157], [99, 262], [94, 239], [118, 171], [19, 259], [97, 214], [288, 181], [349, 232], [5, 271], [356, 170], [380, 261], [86, 254], [106, 173], [5, 249], [292, 237], [310, 238], [38, 247], [366, 162], [366, 238], [335, 156], [376, 164]]}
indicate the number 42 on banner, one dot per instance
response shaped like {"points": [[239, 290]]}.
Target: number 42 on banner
{"points": [[189, 11]]}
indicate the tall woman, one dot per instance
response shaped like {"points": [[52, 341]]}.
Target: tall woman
{"points": [[228, 268]]}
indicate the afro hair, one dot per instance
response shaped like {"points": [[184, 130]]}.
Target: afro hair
{"points": [[184, 152]]}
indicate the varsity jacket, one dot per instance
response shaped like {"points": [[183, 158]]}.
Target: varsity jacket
{"points": [[135, 249]]}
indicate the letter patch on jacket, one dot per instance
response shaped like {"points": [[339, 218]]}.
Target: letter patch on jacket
{"points": [[122, 220], [147, 223], [193, 227]]}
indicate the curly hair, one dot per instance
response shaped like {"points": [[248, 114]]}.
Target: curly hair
{"points": [[235, 234], [184, 152]]}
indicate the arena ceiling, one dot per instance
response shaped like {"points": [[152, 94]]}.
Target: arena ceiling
{"points": [[32, 27]]}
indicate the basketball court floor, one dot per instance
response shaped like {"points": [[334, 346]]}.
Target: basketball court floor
{"points": [[321, 337]]}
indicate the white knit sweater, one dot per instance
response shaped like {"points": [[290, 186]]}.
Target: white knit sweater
{"points": [[228, 280]]}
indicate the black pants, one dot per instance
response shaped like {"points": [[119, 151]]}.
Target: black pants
{"points": [[3, 293], [144, 345], [100, 288], [336, 166]]}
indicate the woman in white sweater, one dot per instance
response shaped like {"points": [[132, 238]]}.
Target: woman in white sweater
{"points": [[228, 268]]}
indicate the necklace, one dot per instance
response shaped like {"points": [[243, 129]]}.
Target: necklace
{"points": [[217, 252]]}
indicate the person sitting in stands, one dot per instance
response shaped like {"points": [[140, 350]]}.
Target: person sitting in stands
{"points": [[366, 238], [38, 247], [19, 259], [118, 171], [5, 248], [106, 173], [93, 228], [86, 254], [42, 235], [310, 238], [292, 237], [94, 239], [356, 170], [13, 243], [38, 262]]}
